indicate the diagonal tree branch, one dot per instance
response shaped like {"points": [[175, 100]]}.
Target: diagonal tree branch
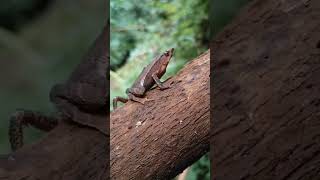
{"points": [[171, 131]]}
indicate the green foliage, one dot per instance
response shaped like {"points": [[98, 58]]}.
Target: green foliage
{"points": [[145, 28], [200, 170]]}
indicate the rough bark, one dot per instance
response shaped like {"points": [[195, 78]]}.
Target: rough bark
{"points": [[160, 139], [69, 152], [266, 93]]}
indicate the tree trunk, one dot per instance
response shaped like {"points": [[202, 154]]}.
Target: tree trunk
{"points": [[266, 93], [160, 139]]}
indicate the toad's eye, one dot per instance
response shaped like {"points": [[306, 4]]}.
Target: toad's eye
{"points": [[166, 53]]}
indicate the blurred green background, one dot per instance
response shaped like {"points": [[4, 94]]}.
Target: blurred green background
{"points": [[41, 41], [142, 29]]}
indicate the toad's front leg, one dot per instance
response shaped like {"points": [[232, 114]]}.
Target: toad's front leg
{"points": [[159, 83]]}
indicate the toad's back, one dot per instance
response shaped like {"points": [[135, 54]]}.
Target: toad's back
{"points": [[145, 78]]}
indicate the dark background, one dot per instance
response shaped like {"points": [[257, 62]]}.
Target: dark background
{"points": [[222, 12], [40, 44]]}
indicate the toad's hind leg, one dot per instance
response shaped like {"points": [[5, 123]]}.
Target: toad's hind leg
{"points": [[136, 99], [118, 98], [25, 118], [136, 94]]}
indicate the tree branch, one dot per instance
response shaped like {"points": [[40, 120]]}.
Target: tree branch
{"points": [[68, 152], [160, 139]]}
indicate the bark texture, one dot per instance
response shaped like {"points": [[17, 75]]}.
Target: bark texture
{"points": [[68, 152], [266, 93], [160, 139]]}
